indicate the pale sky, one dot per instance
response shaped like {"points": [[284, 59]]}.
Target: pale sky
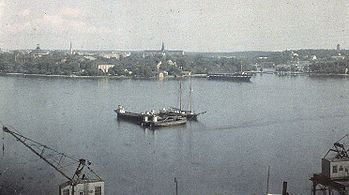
{"points": [[191, 25]]}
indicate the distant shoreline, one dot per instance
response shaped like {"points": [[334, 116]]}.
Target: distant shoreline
{"points": [[166, 78], [98, 77]]}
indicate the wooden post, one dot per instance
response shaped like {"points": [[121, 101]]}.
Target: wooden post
{"points": [[175, 180], [268, 181], [314, 188], [284, 188]]}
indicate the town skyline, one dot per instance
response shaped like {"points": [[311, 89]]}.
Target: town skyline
{"points": [[70, 48], [193, 26]]}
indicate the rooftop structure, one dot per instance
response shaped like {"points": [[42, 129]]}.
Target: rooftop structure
{"points": [[335, 169], [37, 52], [105, 67]]}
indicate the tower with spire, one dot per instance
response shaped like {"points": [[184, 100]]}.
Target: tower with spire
{"points": [[338, 49], [70, 48], [163, 47]]}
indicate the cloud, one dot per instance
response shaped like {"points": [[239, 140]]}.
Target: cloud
{"points": [[72, 12], [66, 21], [2, 7], [25, 13]]}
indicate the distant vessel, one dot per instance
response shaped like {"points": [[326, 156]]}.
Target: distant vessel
{"points": [[237, 76], [150, 119], [158, 121], [244, 77], [179, 112], [130, 116], [189, 114]]}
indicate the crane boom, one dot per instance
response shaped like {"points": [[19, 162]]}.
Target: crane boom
{"points": [[59, 161], [41, 149]]}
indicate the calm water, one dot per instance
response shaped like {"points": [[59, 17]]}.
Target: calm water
{"points": [[288, 123]]}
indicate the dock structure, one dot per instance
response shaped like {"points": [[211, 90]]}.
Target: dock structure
{"points": [[334, 174]]}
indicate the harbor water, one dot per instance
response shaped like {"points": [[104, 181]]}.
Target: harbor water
{"points": [[287, 123]]}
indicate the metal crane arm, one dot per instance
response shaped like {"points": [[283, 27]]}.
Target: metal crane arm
{"points": [[24, 141]]}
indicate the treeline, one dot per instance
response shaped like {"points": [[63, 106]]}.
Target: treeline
{"points": [[175, 65], [135, 65], [333, 66]]}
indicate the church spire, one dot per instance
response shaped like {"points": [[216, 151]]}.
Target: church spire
{"points": [[163, 47]]}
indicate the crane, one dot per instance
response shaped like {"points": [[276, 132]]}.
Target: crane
{"points": [[340, 149], [80, 181]]}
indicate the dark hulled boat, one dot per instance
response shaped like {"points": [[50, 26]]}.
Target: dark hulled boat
{"points": [[150, 119], [130, 116]]}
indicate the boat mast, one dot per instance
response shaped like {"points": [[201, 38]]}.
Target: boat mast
{"points": [[180, 95], [268, 177], [240, 66], [190, 97]]}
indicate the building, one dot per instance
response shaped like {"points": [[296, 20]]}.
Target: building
{"points": [[162, 52], [335, 168], [334, 174], [339, 55], [37, 52], [105, 67], [21, 58], [84, 187]]}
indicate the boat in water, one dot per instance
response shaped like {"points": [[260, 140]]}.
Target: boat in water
{"points": [[167, 121], [243, 77], [150, 119], [129, 116], [237, 76], [172, 111], [190, 115]]}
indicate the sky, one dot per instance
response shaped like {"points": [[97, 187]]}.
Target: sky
{"points": [[190, 25]]}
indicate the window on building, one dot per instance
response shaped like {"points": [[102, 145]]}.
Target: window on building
{"points": [[98, 190], [66, 192], [334, 169], [340, 168], [81, 193]]}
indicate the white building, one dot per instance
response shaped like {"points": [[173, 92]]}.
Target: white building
{"points": [[105, 67], [336, 168], [84, 187]]}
